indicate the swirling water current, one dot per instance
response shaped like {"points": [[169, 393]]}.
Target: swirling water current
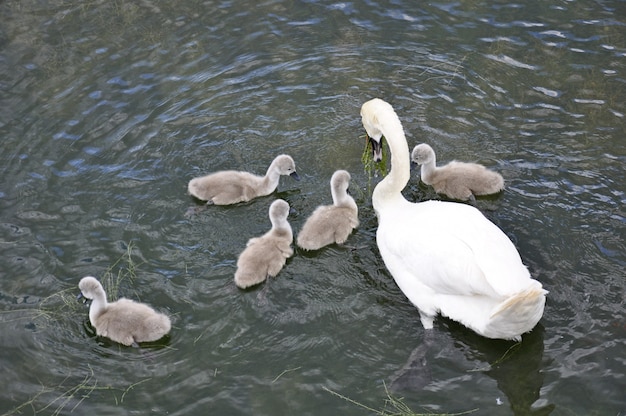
{"points": [[109, 108]]}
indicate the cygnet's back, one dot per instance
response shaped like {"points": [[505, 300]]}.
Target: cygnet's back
{"points": [[330, 224], [230, 186], [457, 180], [124, 321], [266, 255]]}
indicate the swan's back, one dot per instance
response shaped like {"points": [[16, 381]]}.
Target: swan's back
{"points": [[266, 255], [462, 250]]}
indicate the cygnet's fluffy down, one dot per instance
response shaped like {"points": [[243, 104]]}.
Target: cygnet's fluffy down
{"points": [[330, 224], [457, 180], [266, 255], [124, 321], [230, 186]]}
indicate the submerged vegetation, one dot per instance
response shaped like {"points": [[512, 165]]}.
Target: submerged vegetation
{"points": [[393, 406], [65, 399], [64, 305], [369, 166]]}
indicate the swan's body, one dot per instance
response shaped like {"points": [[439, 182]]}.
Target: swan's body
{"points": [[457, 180], [231, 186], [124, 321], [330, 224], [447, 257], [266, 255]]}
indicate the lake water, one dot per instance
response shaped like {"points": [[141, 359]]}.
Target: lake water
{"points": [[109, 108]]}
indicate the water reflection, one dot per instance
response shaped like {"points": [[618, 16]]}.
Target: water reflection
{"points": [[517, 368]]}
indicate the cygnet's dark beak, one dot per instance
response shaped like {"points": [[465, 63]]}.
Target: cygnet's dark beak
{"points": [[81, 298], [377, 149], [295, 175]]}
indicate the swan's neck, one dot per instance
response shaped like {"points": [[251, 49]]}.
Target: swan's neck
{"points": [[388, 191], [98, 306]]}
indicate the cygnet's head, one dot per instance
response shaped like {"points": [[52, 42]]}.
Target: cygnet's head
{"points": [[340, 180], [422, 154], [89, 286], [279, 209], [286, 166]]}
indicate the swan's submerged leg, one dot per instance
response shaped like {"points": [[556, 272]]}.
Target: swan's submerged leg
{"points": [[415, 374]]}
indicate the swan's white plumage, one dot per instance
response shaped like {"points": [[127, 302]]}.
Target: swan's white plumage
{"points": [[330, 224], [457, 180], [446, 257], [124, 321], [266, 255], [230, 186]]}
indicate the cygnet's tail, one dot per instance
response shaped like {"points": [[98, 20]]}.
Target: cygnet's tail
{"points": [[517, 314]]}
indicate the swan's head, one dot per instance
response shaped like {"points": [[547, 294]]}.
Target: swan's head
{"points": [[285, 165], [422, 154], [372, 114], [89, 286]]}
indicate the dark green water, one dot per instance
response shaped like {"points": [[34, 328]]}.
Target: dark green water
{"points": [[108, 108]]}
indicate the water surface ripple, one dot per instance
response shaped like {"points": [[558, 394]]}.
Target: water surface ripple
{"points": [[107, 109]]}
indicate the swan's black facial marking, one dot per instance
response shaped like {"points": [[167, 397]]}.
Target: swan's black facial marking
{"points": [[377, 148]]}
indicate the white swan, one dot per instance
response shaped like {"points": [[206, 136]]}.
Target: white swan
{"points": [[124, 321], [447, 257], [457, 180], [330, 224], [231, 186], [266, 255]]}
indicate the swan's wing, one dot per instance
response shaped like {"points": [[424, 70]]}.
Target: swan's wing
{"points": [[494, 253], [451, 249], [502, 264], [440, 264]]}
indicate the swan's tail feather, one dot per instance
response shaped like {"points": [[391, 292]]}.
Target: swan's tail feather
{"points": [[517, 314]]}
